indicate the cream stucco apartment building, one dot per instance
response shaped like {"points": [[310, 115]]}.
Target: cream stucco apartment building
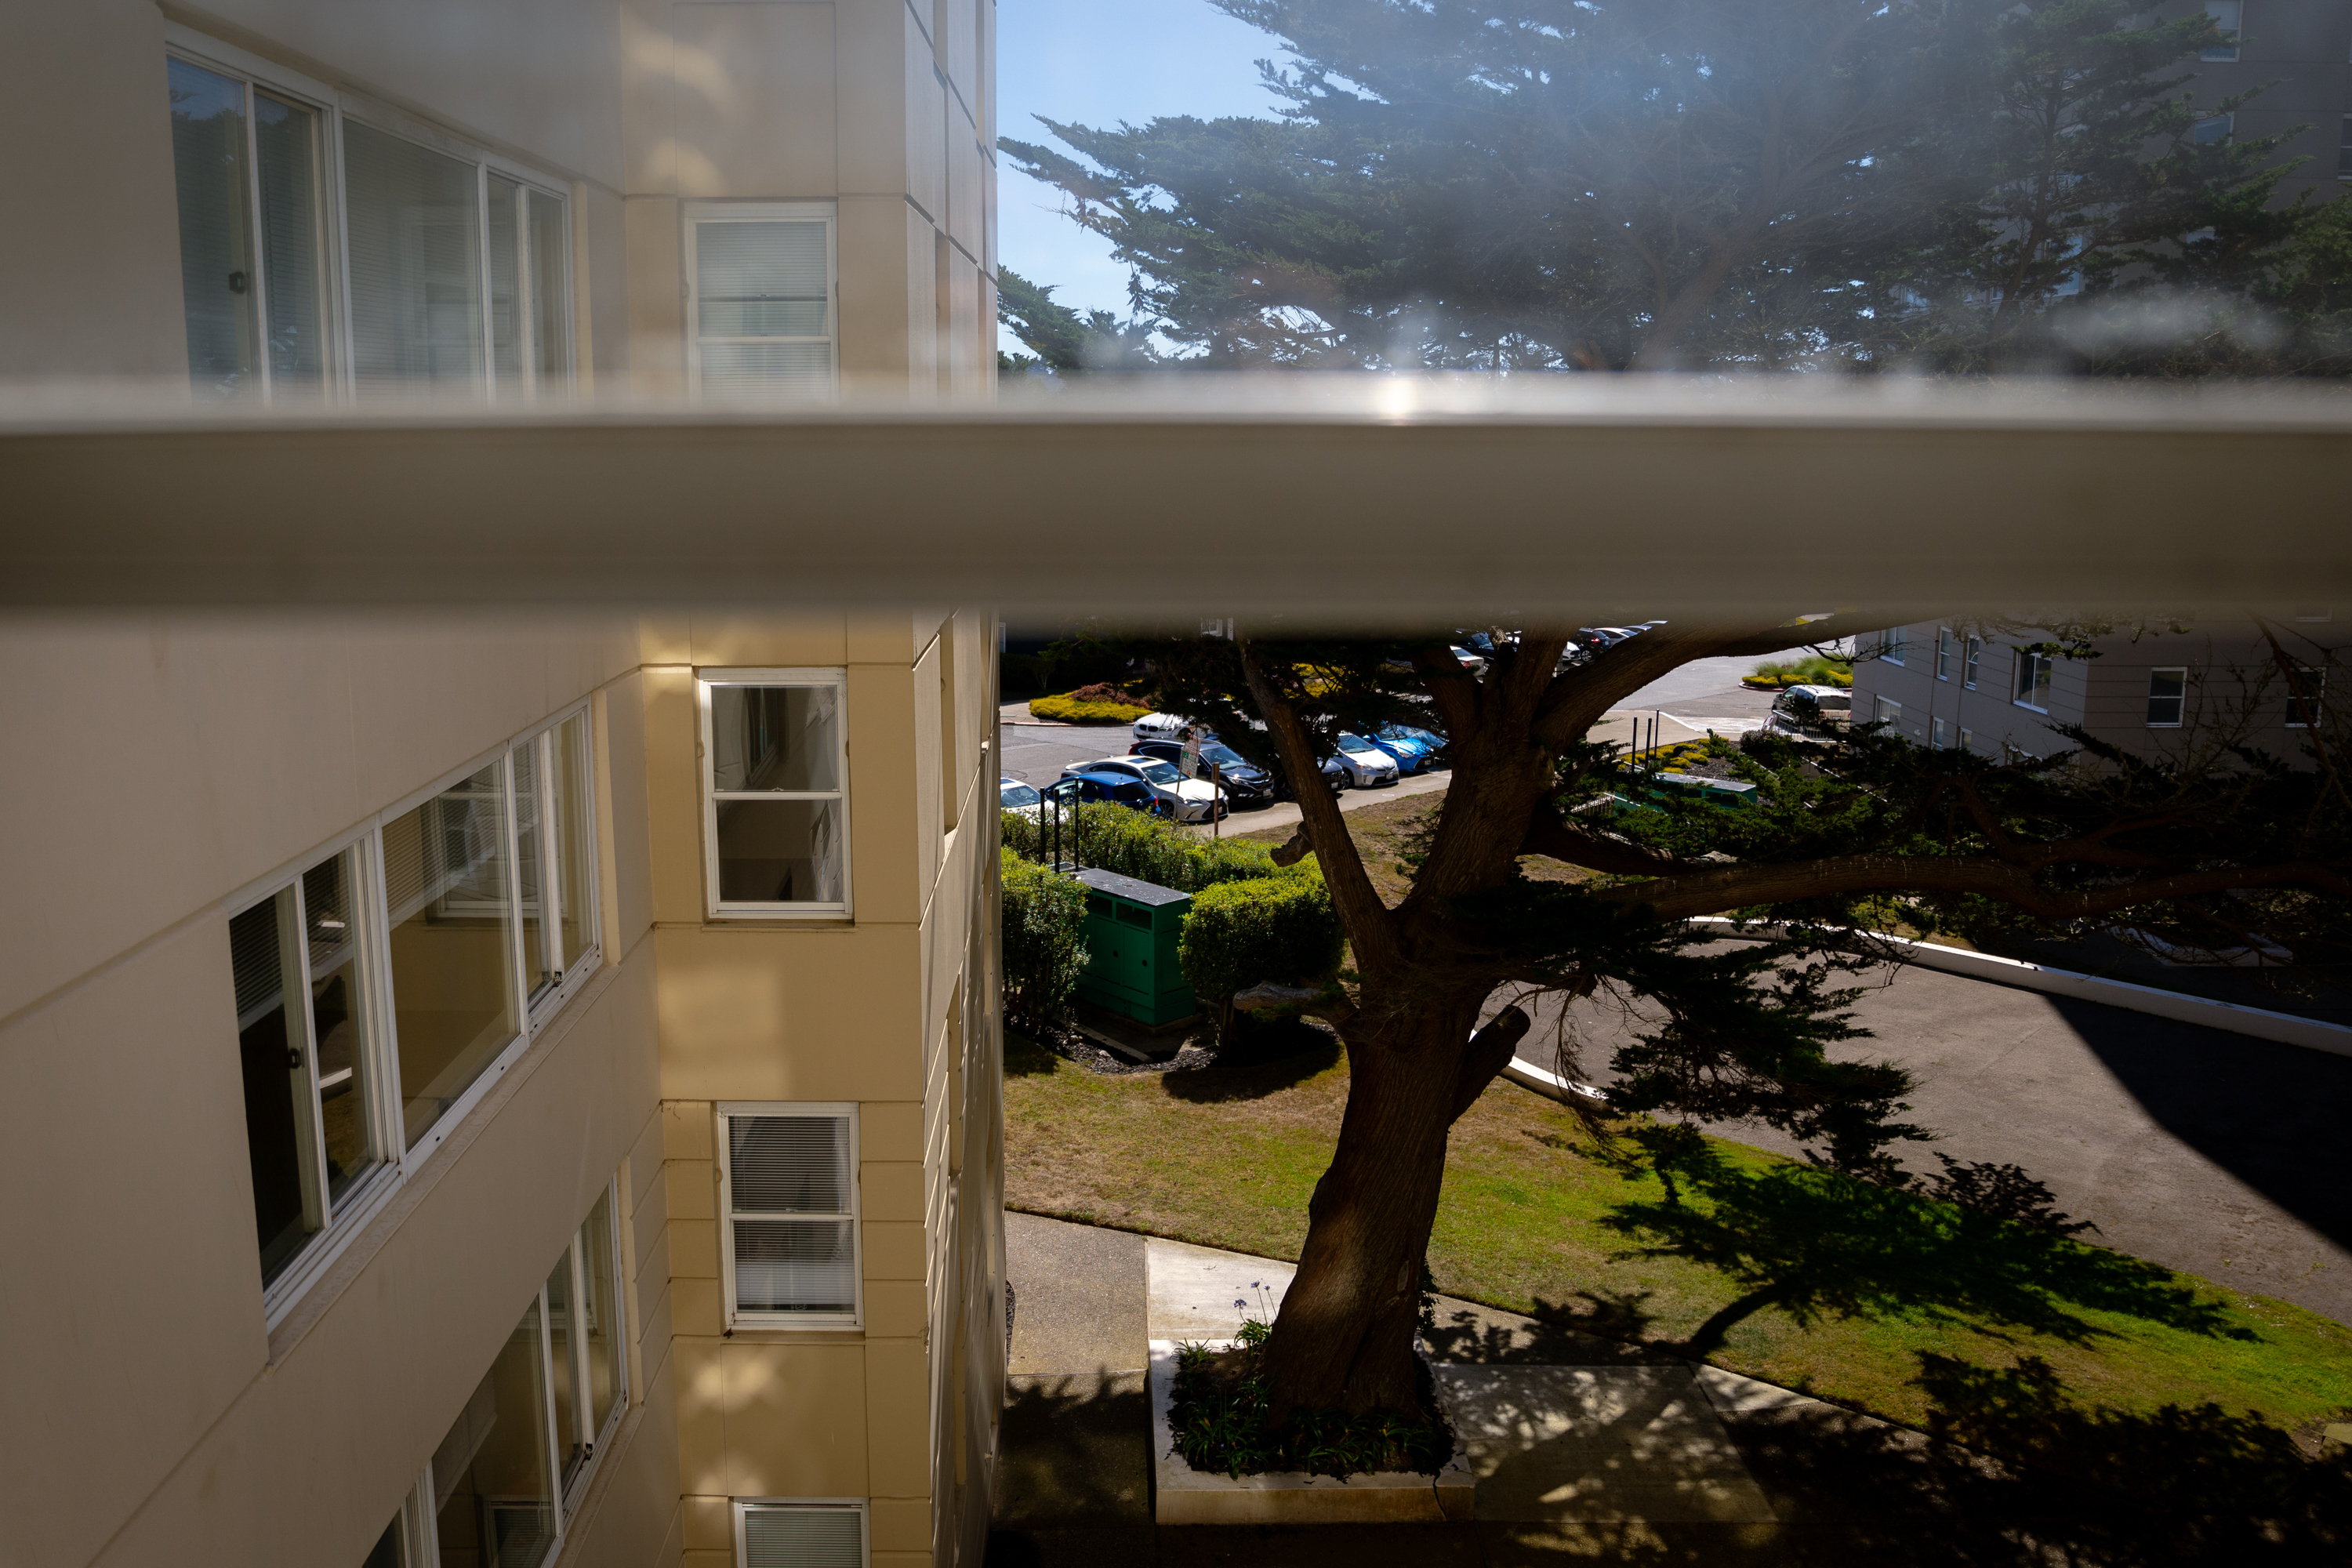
{"points": [[499, 1087]]}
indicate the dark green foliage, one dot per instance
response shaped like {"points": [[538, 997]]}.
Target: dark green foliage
{"points": [[1063, 341], [1218, 1416], [1138, 845], [1280, 928], [1044, 935], [1968, 184]]}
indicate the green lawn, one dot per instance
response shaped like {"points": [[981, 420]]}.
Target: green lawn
{"points": [[1906, 1309]]}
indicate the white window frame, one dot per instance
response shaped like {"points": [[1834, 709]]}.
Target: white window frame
{"points": [[1935, 733], [1968, 740], [1944, 647], [374, 961], [568, 1496], [546, 739], [2223, 54], [378, 1060], [837, 677], [736, 1317], [2316, 675], [340, 372], [1892, 643], [1971, 653], [2180, 670], [741, 1505], [1888, 712], [694, 214], [2022, 679]]}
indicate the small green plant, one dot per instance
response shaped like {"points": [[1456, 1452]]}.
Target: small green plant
{"points": [[1814, 669], [1044, 936], [1218, 1406]]}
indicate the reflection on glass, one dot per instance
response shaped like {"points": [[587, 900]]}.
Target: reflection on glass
{"points": [[575, 887], [563, 1326], [505, 246], [286, 137], [338, 1021], [530, 866], [208, 171], [779, 851], [601, 1323], [551, 292], [775, 738], [491, 1493], [266, 959], [415, 238], [454, 1006]]}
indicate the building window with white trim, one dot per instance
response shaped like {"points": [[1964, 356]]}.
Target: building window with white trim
{"points": [[762, 299], [1968, 739], [2033, 687], [1887, 710], [1943, 654], [775, 772], [800, 1532], [1935, 733], [1891, 643], [788, 1201], [2226, 16], [316, 1125], [2213, 128], [2167, 696], [246, 168], [2306, 697], [1972, 652]]}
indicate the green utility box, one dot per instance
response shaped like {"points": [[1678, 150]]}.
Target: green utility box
{"points": [[1131, 967]]}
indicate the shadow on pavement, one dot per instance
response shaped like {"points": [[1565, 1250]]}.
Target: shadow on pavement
{"points": [[1073, 1451]]}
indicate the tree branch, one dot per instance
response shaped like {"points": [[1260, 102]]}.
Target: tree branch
{"points": [[1549, 837], [1488, 1053]]}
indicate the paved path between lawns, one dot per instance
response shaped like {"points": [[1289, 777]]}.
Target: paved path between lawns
{"points": [[2192, 1147], [1582, 1445]]}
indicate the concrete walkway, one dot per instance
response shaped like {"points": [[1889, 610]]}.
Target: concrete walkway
{"points": [[1582, 1445]]}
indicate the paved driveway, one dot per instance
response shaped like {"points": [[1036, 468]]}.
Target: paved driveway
{"points": [[2192, 1147]]}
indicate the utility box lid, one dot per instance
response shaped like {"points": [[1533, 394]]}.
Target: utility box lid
{"points": [[1147, 893]]}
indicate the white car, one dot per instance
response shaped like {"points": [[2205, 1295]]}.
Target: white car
{"points": [[1161, 727], [1011, 794], [1192, 800], [1366, 764]]}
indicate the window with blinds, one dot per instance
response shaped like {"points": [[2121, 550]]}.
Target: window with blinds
{"points": [[760, 300], [800, 1534], [788, 1184]]}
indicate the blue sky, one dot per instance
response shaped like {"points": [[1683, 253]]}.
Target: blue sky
{"points": [[1097, 62]]}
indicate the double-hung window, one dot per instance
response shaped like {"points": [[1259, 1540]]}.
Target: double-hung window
{"points": [[1887, 710], [1943, 654], [2227, 16], [2032, 685], [1973, 651], [763, 299], [1937, 733], [2306, 697], [383, 988], [788, 1204], [503, 1485], [2167, 696], [775, 773], [322, 251], [317, 1119], [800, 1532], [1890, 644]]}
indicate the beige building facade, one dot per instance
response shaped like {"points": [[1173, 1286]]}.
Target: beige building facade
{"points": [[532, 1074]]}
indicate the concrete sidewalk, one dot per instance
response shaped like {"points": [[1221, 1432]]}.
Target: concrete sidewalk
{"points": [[1584, 1446]]}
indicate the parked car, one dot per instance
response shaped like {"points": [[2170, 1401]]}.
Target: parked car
{"points": [[1189, 800], [1811, 712], [1416, 750], [1118, 789], [1161, 727], [1246, 784], [1476, 663], [1014, 796], [1366, 764]]}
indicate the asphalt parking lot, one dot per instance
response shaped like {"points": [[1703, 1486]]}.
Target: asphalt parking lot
{"points": [[2201, 1150]]}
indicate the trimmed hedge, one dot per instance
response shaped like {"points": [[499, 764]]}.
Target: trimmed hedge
{"points": [[1043, 928], [1070, 710], [1149, 848], [1239, 934]]}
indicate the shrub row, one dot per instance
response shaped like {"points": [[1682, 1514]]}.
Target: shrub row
{"points": [[1146, 847], [1071, 709], [1043, 927]]}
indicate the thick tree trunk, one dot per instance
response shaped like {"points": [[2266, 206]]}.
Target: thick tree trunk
{"points": [[1344, 1335]]}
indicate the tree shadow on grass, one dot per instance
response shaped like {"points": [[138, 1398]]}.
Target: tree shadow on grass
{"points": [[1817, 1244], [1256, 1072], [1025, 1058]]}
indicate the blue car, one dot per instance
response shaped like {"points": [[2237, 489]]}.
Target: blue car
{"points": [[1120, 789], [1416, 750]]}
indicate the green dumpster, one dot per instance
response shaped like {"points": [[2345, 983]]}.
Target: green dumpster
{"points": [[1131, 968]]}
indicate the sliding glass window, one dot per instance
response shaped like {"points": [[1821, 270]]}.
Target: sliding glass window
{"points": [[248, 168], [315, 1124]]}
